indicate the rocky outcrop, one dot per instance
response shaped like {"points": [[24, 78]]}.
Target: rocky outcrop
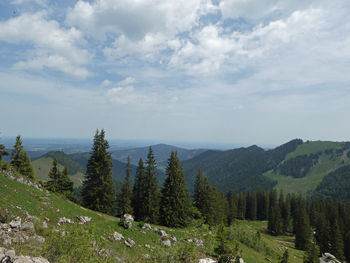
{"points": [[17, 232], [207, 260], [129, 242], [328, 258], [9, 174], [9, 256], [126, 221], [83, 219], [63, 220], [117, 236]]}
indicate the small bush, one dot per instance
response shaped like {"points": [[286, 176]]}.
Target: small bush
{"points": [[75, 245], [187, 253], [5, 216]]}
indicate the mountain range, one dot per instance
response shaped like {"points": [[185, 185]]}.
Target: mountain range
{"points": [[311, 167]]}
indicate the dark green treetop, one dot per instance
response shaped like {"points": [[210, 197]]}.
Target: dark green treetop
{"points": [[20, 159]]}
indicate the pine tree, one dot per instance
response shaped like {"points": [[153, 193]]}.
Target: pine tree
{"points": [[124, 198], [312, 253], [20, 159], [232, 207], [152, 195], [241, 207], [251, 206], [3, 152], [138, 198], [336, 240], [285, 257], [275, 220], [59, 181], [175, 205], [98, 187], [302, 228], [54, 174], [199, 193]]}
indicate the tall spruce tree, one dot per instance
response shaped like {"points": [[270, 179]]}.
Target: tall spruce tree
{"points": [[175, 204], [232, 207], [3, 152], [59, 182], [151, 191], [302, 228], [125, 196], [20, 159], [138, 198], [312, 253], [98, 187], [336, 241], [199, 192]]}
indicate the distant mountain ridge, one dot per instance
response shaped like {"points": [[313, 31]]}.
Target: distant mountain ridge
{"points": [[161, 153]]}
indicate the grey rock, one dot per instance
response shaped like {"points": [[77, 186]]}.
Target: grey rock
{"points": [[129, 242], [165, 242], [198, 242], [10, 253], [15, 223], [83, 219], [117, 236], [207, 260], [126, 221], [63, 220], [28, 227], [146, 227]]}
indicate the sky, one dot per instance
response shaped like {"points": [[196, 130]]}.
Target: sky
{"points": [[225, 71]]}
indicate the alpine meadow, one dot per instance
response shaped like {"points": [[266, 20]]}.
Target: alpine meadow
{"points": [[193, 131]]}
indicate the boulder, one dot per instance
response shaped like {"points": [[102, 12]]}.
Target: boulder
{"points": [[146, 227], [15, 223], [328, 258], [165, 241], [126, 221], [207, 260], [83, 219], [129, 242], [198, 242], [28, 227], [63, 220], [117, 236]]}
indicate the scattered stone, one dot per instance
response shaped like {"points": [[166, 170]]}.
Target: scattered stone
{"points": [[63, 220], [15, 223], [28, 227], [117, 236], [241, 260], [328, 258], [146, 256], [143, 232], [118, 259], [174, 239], [268, 259], [58, 211], [146, 227], [44, 224], [165, 241], [126, 221], [46, 219], [198, 242], [18, 207], [147, 246], [28, 217], [207, 260], [189, 240], [9, 256], [83, 219], [129, 242]]}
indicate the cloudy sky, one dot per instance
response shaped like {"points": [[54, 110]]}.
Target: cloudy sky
{"points": [[235, 71]]}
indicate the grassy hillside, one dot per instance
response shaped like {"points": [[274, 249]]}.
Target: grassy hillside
{"points": [[331, 156], [18, 198]]}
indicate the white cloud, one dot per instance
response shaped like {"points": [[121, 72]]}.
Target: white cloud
{"points": [[137, 18], [55, 47]]}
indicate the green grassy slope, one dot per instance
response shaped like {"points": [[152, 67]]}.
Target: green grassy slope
{"points": [[327, 162], [18, 198]]}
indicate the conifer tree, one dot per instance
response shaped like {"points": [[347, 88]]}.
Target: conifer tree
{"points": [[251, 206], [139, 194], [59, 181], [302, 228], [98, 187], [125, 197], [275, 220], [312, 253], [241, 207], [232, 207], [3, 152], [20, 159], [199, 193], [152, 195], [175, 205], [285, 257], [336, 241]]}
